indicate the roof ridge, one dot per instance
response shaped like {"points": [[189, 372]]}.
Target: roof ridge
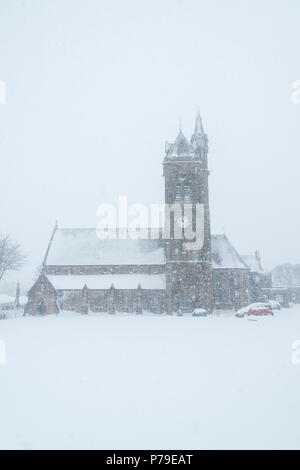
{"points": [[50, 243], [236, 252]]}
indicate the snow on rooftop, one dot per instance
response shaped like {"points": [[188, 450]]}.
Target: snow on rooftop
{"points": [[6, 299], [83, 247], [224, 254], [180, 148], [78, 247], [104, 281], [253, 262]]}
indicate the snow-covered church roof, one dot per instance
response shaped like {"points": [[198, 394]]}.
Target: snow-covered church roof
{"points": [[79, 247], [6, 299], [224, 255], [253, 261]]}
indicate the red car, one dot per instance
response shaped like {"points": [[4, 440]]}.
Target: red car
{"points": [[257, 309]]}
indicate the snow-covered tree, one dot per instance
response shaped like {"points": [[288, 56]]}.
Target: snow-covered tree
{"points": [[287, 275], [11, 257]]}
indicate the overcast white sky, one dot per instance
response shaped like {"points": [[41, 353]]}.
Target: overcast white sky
{"points": [[95, 87]]}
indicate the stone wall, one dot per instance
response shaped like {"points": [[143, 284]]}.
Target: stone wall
{"points": [[42, 298], [112, 300], [232, 288], [114, 269], [189, 286]]}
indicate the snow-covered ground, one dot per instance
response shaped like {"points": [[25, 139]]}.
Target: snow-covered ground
{"points": [[129, 381]]}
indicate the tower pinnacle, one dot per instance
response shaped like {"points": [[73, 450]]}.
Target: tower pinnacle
{"points": [[199, 138], [198, 124]]}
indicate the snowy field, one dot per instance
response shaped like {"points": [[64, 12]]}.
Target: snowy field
{"points": [[127, 381]]}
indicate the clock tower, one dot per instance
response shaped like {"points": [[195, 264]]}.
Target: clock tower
{"points": [[188, 242]]}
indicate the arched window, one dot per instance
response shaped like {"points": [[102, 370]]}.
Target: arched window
{"points": [[71, 302], [185, 301], [99, 303], [154, 303], [183, 192], [125, 303], [172, 228], [187, 192], [178, 192]]}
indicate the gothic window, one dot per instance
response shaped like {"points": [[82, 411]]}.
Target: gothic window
{"points": [[187, 193], [72, 300], [154, 303], [41, 308], [182, 148], [60, 299], [99, 304], [194, 219], [172, 228], [125, 303], [178, 192], [185, 301], [218, 289]]}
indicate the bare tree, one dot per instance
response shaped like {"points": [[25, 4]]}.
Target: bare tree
{"points": [[11, 257]]}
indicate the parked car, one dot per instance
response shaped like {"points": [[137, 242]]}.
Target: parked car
{"points": [[256, 309], [274, 304], [200, 312]]}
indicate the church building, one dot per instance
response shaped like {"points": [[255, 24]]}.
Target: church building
{"points": [[84, 273]]}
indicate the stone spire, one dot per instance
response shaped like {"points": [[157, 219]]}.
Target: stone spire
{"points": [[198, 124], [199, 138]]}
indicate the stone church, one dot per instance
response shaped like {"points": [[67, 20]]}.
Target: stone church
{"points": [[84, 273]]}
